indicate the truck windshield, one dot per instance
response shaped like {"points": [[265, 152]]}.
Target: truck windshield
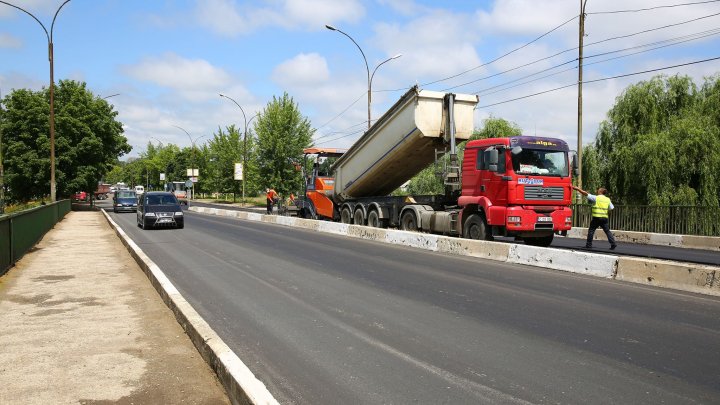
{"points": [[541, 162]]}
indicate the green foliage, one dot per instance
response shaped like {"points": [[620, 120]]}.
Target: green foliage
{"points": [[660, 144], [282, 133], [429, 180], [88, 140]]}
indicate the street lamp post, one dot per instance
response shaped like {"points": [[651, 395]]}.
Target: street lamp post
{"points": [[367, 67], [52, 90], [192, 143], [247, 122]]}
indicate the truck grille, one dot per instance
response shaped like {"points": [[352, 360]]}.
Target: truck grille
{"points": [[544, 193]]}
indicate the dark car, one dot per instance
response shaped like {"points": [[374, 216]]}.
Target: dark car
{"points": [[124, 200], [158, 209]]}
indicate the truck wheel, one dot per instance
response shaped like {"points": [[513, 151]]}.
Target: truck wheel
{"points": [[375, 221], [542, 241], [476, 228], [346, 216], [408, 222], [359, 218]]}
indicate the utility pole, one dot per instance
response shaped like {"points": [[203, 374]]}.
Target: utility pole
{"points": [[581, 36]]}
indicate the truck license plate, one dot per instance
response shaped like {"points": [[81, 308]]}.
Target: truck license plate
{"points": [[545, 219]]}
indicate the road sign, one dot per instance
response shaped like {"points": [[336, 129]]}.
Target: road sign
{"points": [[193, 172], [239, 171], [162, 176], [188, 184]]}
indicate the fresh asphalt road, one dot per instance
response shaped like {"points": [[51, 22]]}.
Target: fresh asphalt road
{"points": [[603, 247], [326, 319]]}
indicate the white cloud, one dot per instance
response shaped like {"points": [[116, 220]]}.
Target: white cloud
{"points": [[190, 77], [314, 14], [228, 18], [404, 7], [436, 45], [8, 41], [301, 71]]}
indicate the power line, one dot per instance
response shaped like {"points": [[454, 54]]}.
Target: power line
{"points": [[545, 58], [341, 137], [490, 62], [343, 131], [654, 8], [342, 112], [652, 29], [575, 48], [599, 80], [685, 38]]}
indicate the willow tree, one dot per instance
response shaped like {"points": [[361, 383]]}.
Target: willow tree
{"points": [[660, 143]]}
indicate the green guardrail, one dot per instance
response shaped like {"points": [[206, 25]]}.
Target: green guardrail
{"points": [[680, 220], [20, 231]]}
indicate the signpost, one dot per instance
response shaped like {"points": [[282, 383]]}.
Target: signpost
{"points": [[193, 174]]}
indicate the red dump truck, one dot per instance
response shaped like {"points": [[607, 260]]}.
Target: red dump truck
{"points": [[514, 186], [102, 191]]}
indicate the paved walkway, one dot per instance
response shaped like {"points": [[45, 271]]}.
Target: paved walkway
{"points": [[81, 324]]}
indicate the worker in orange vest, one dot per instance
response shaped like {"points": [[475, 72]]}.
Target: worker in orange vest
{"points": [[272, 198]]}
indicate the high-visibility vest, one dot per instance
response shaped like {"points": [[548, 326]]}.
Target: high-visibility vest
{"points": [[601, 207]]}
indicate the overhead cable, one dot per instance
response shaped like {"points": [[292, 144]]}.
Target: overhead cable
{"points": [[599, 80]]}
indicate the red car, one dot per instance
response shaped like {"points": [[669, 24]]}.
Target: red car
{"points": [[80, 196]]}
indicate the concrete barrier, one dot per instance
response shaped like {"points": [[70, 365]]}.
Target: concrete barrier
{"points": [[239, 382], [474, 248], [565, 260], [660, 273], [659, 239], [412, 239], [367, 233], [681, 276]]}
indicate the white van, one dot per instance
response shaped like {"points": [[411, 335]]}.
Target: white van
{"points": [[139, 190]]}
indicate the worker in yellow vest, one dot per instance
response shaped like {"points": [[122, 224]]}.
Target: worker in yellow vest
{"points": [[601, 206]]}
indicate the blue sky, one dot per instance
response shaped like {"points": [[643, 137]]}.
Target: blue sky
{"points": [[169, 59]]}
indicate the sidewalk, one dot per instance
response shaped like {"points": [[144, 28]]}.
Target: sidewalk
{"points": [[81, 324]]}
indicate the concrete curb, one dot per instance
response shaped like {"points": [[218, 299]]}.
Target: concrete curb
{"points": [[239, 382], [680, 276], [658, 239]]}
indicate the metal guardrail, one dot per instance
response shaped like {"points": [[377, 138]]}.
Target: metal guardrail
{"points": [[20, 231], [681, 220]]}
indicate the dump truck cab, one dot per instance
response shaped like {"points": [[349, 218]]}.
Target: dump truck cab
{"points": [[518, 186]]}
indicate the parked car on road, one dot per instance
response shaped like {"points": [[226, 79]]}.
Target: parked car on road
{"points": [[159, 209], [124, 200], [80, 196]]}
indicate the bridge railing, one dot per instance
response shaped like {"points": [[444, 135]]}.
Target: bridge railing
{"points": [[20, 231], [682, 220]]}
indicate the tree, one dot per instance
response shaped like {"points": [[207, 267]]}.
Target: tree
{"points": [[282, 133], [225, 150], [660, 144], [88, 140], [428, 181]]}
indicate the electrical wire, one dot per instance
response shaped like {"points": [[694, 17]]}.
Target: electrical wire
{"points": [[486, 63], [685, 38], [654, 8], [542, 59], [341, 112], [575, 48], [599, 80]]}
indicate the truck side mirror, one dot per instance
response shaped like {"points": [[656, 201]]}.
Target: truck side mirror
{"points": [[516, 150], [575, 166], [493, 160]]}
